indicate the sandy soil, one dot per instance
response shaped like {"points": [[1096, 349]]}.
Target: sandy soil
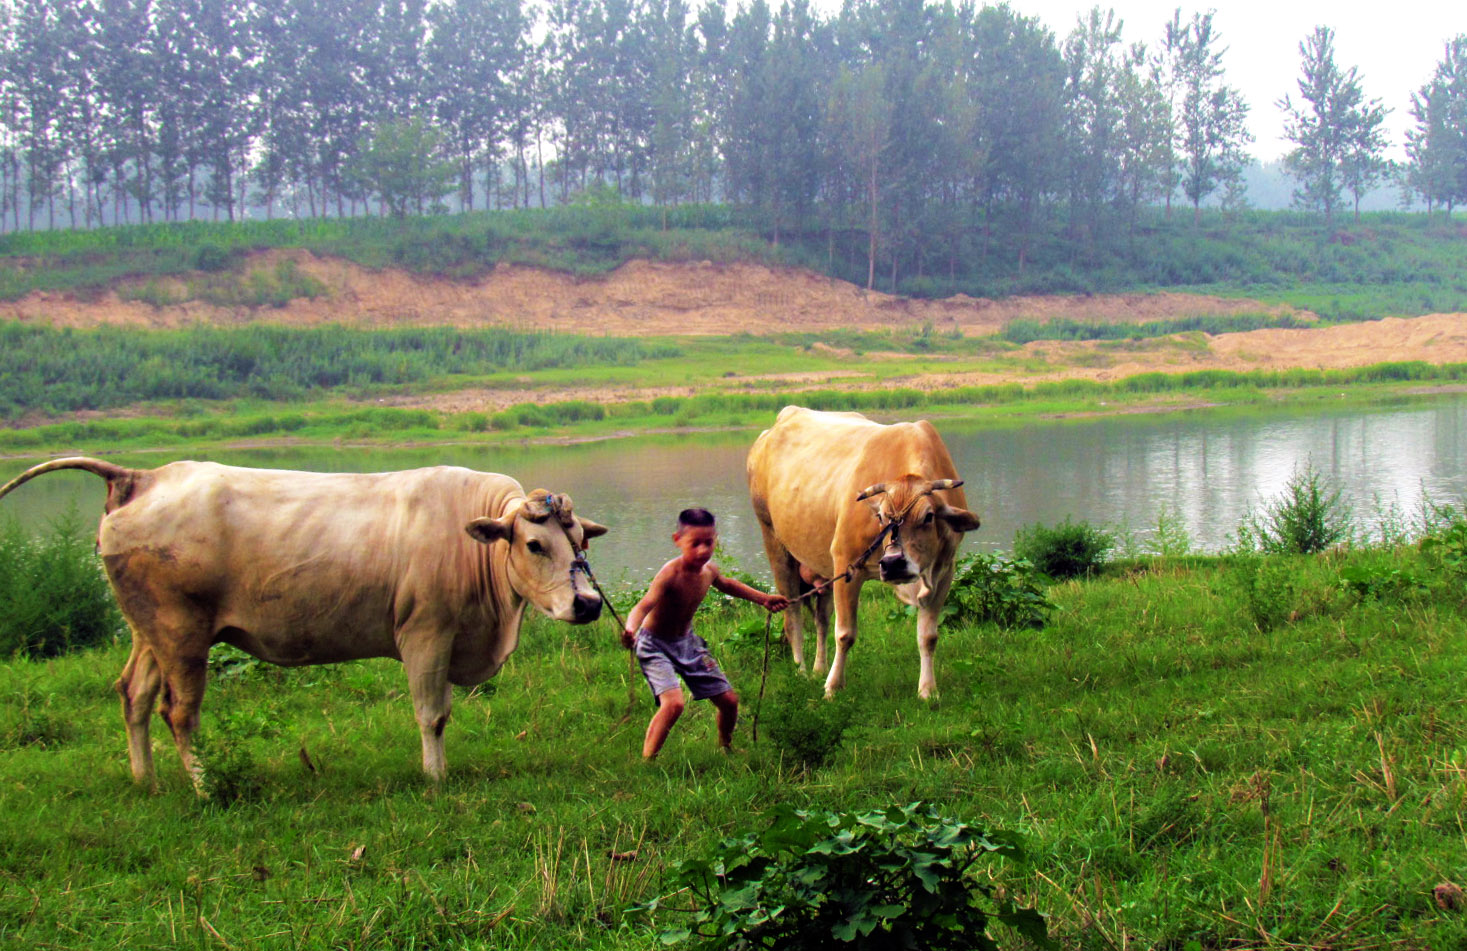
{"points": [[650, 298], [640, 298]]}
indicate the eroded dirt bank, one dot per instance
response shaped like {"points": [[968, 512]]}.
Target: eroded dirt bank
{"points": [[641, 298]]}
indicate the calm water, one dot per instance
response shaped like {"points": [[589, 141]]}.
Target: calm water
{"points": [[1208, 469]]}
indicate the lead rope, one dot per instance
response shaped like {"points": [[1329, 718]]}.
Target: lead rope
{"points": [[585, 566], [580, 563]]}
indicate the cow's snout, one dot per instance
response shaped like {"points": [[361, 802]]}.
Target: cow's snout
{"points": [[585, 608], [897, 567]]}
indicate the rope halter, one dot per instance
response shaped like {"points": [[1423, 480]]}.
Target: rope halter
{"points": [[893, 523]]}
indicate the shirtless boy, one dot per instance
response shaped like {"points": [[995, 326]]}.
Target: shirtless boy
{"points": [[660, 630]]}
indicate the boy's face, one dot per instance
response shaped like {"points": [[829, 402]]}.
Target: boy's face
{"points": [[696, 543]]}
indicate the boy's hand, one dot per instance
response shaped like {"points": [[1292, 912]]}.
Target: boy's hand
{"points": [[628, 639], [776, 603]]}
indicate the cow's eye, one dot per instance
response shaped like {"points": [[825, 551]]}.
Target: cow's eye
{"points": [[534, 547], [928, 519]]}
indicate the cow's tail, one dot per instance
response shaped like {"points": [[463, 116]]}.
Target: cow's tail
{"points": [[112, 473]]}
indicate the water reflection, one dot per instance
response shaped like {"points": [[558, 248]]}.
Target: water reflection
{"points": [[1207, 469]]}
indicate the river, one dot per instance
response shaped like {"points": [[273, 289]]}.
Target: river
{"points": [[1208, 469]]}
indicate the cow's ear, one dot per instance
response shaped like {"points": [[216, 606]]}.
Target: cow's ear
{"points": [[488, 530], [592, 529], [959, 520]]}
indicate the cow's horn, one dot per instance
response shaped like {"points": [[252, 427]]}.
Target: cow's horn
{"points": [[871, 490], [943, 484]]}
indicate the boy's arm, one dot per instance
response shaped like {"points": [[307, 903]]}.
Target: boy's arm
{"points": [[635, 618], [735, 587], [642, 608]]}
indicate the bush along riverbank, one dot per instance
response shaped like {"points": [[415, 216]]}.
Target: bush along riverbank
{"points": [[1264, 747]]}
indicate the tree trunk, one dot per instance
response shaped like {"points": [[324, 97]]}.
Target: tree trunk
{"points": [[871, 230]]}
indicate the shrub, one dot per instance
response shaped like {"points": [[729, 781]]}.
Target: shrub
{"points": [[230, 771], [1382, 577], [1067, 550], [900, 877], [807, 728], [1308, 517], [53, 595], [988, 588], [1270, 591], [1170, 538], [211, 257], [1448, 545]]}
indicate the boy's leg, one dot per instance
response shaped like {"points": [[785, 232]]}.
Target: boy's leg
{"points": [[727, 704], [669, 708]]}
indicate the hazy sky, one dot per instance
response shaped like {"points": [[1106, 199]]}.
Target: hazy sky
{"points": [[1394, 46]]}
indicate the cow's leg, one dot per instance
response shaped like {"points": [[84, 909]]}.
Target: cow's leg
{"points": [[786, 573], [184, 665], [426, 658], [929, 613], [846, 595], [138, 687], [172, 651], [820, 607]]}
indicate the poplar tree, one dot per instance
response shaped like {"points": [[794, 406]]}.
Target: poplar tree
{"points": [[1208, 134], [1334, 129], [1436, 149]]}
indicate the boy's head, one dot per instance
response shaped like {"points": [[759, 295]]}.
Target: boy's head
{"points": [[696, 535]]}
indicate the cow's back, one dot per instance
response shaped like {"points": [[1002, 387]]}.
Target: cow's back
{"points": [[272, 552], [806, 470]]}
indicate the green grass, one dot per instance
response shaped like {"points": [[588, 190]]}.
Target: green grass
{"points": [[1184, 779], [734, 405], [43, 368]]}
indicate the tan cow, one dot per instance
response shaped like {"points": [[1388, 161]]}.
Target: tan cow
{"points": [[312, 568], [825, 488]]}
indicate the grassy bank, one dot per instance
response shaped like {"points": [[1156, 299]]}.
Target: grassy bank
{"points": [[200, 423], [1239, 752]]}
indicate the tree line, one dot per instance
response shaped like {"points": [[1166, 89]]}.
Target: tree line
{"points": [[923, 133]]}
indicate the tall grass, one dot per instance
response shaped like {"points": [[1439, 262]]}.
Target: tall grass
{"points": [[1026, 331], [65, 370]]}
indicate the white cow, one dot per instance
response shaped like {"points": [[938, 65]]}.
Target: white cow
{"points": [[311, 568]]}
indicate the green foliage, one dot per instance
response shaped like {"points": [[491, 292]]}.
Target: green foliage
{"points": [[53, 595], [902, 877], [402, 163], [1170, 538], [1308, 517], [222, 745], [211, 257], [1026, 331], [68, 370], [990, 589], [805, 727], [1067, 550], [1448, 545], [1392, 265], [1386, 578]]}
